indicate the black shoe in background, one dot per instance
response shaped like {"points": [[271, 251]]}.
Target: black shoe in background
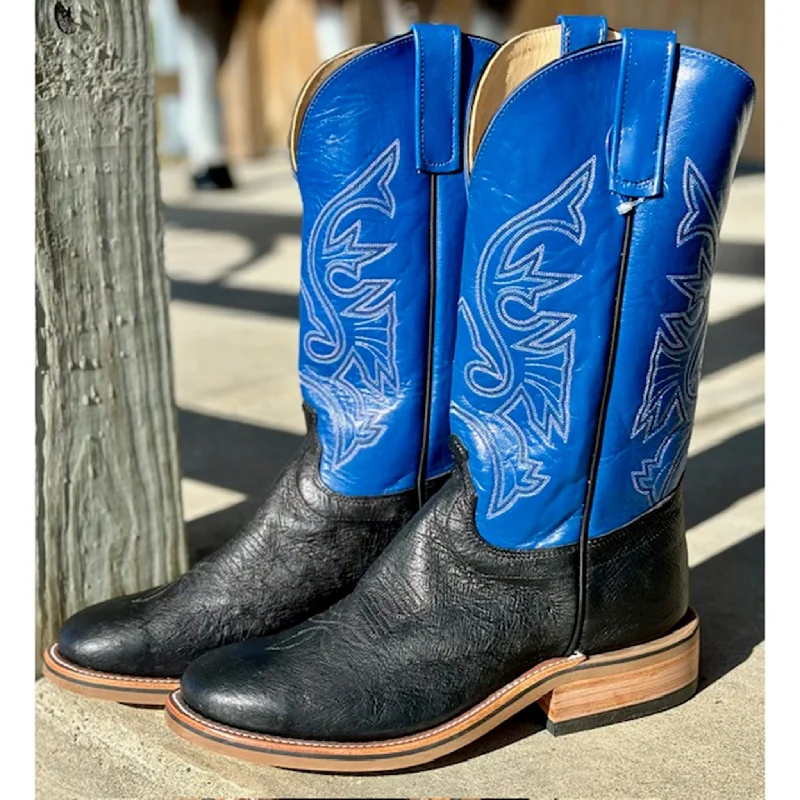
{"points": [[217, 177]]}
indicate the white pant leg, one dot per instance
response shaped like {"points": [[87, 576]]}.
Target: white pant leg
{"points": [[332, 30], [201, 120]]}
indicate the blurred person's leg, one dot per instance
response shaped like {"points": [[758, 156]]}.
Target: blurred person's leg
{"points": [[333, 29], [395, 18], [334, 33], [205, 33], [492, 18]]}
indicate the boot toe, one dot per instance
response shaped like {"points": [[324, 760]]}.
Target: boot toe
{"points": [[219, 686], [106, 637]]}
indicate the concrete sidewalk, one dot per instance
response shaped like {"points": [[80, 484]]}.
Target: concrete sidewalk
{"points": [[234, 264]]}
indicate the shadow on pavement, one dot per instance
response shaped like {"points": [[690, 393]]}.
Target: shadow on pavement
{"points": [[740, 258], [261, 230], [718, 477], [234, 455], [728, 593], [213, 293], [732, 340]]}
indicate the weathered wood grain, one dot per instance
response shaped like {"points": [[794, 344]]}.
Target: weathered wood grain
{"points": [[108, 495]]}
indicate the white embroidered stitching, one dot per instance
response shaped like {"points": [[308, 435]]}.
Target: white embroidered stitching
{"points": [[534, 407], [673, 373], [655, 478], [365, 382]]}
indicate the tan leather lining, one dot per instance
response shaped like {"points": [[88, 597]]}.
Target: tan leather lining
{"points": [[512, 64], [310, 87]]}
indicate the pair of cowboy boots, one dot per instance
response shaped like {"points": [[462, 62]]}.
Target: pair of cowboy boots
{"points": [[507, 248]]}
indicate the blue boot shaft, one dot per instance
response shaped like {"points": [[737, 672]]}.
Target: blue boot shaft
{"points": [[596, 192], [377, 146]]}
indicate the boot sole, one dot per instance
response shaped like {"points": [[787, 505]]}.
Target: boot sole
{"points": [[576, 693], [128, 689]]}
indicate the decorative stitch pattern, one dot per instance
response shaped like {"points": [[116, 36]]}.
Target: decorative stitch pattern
{"points": [[673, 375], [352, 319], [531, 409]]}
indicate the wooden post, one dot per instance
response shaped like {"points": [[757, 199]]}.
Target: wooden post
{"points": [[107, 481]]}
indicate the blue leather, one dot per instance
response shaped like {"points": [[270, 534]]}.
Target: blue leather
{"points": [[541, 263], [578, 32], [365, 269], [665, 302], [451, 212], [644, 90], [437, 98]]}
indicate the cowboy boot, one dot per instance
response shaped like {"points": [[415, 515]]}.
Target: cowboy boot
{"points": [[552, 566], [376, 143]]}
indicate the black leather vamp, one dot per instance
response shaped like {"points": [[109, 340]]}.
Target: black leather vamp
{"points": [[305, 548], [439, 621], [637, 579]]}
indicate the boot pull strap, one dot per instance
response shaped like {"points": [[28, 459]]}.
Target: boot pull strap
{"points": [[579, 32], [644, 92], [437, 97]]}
